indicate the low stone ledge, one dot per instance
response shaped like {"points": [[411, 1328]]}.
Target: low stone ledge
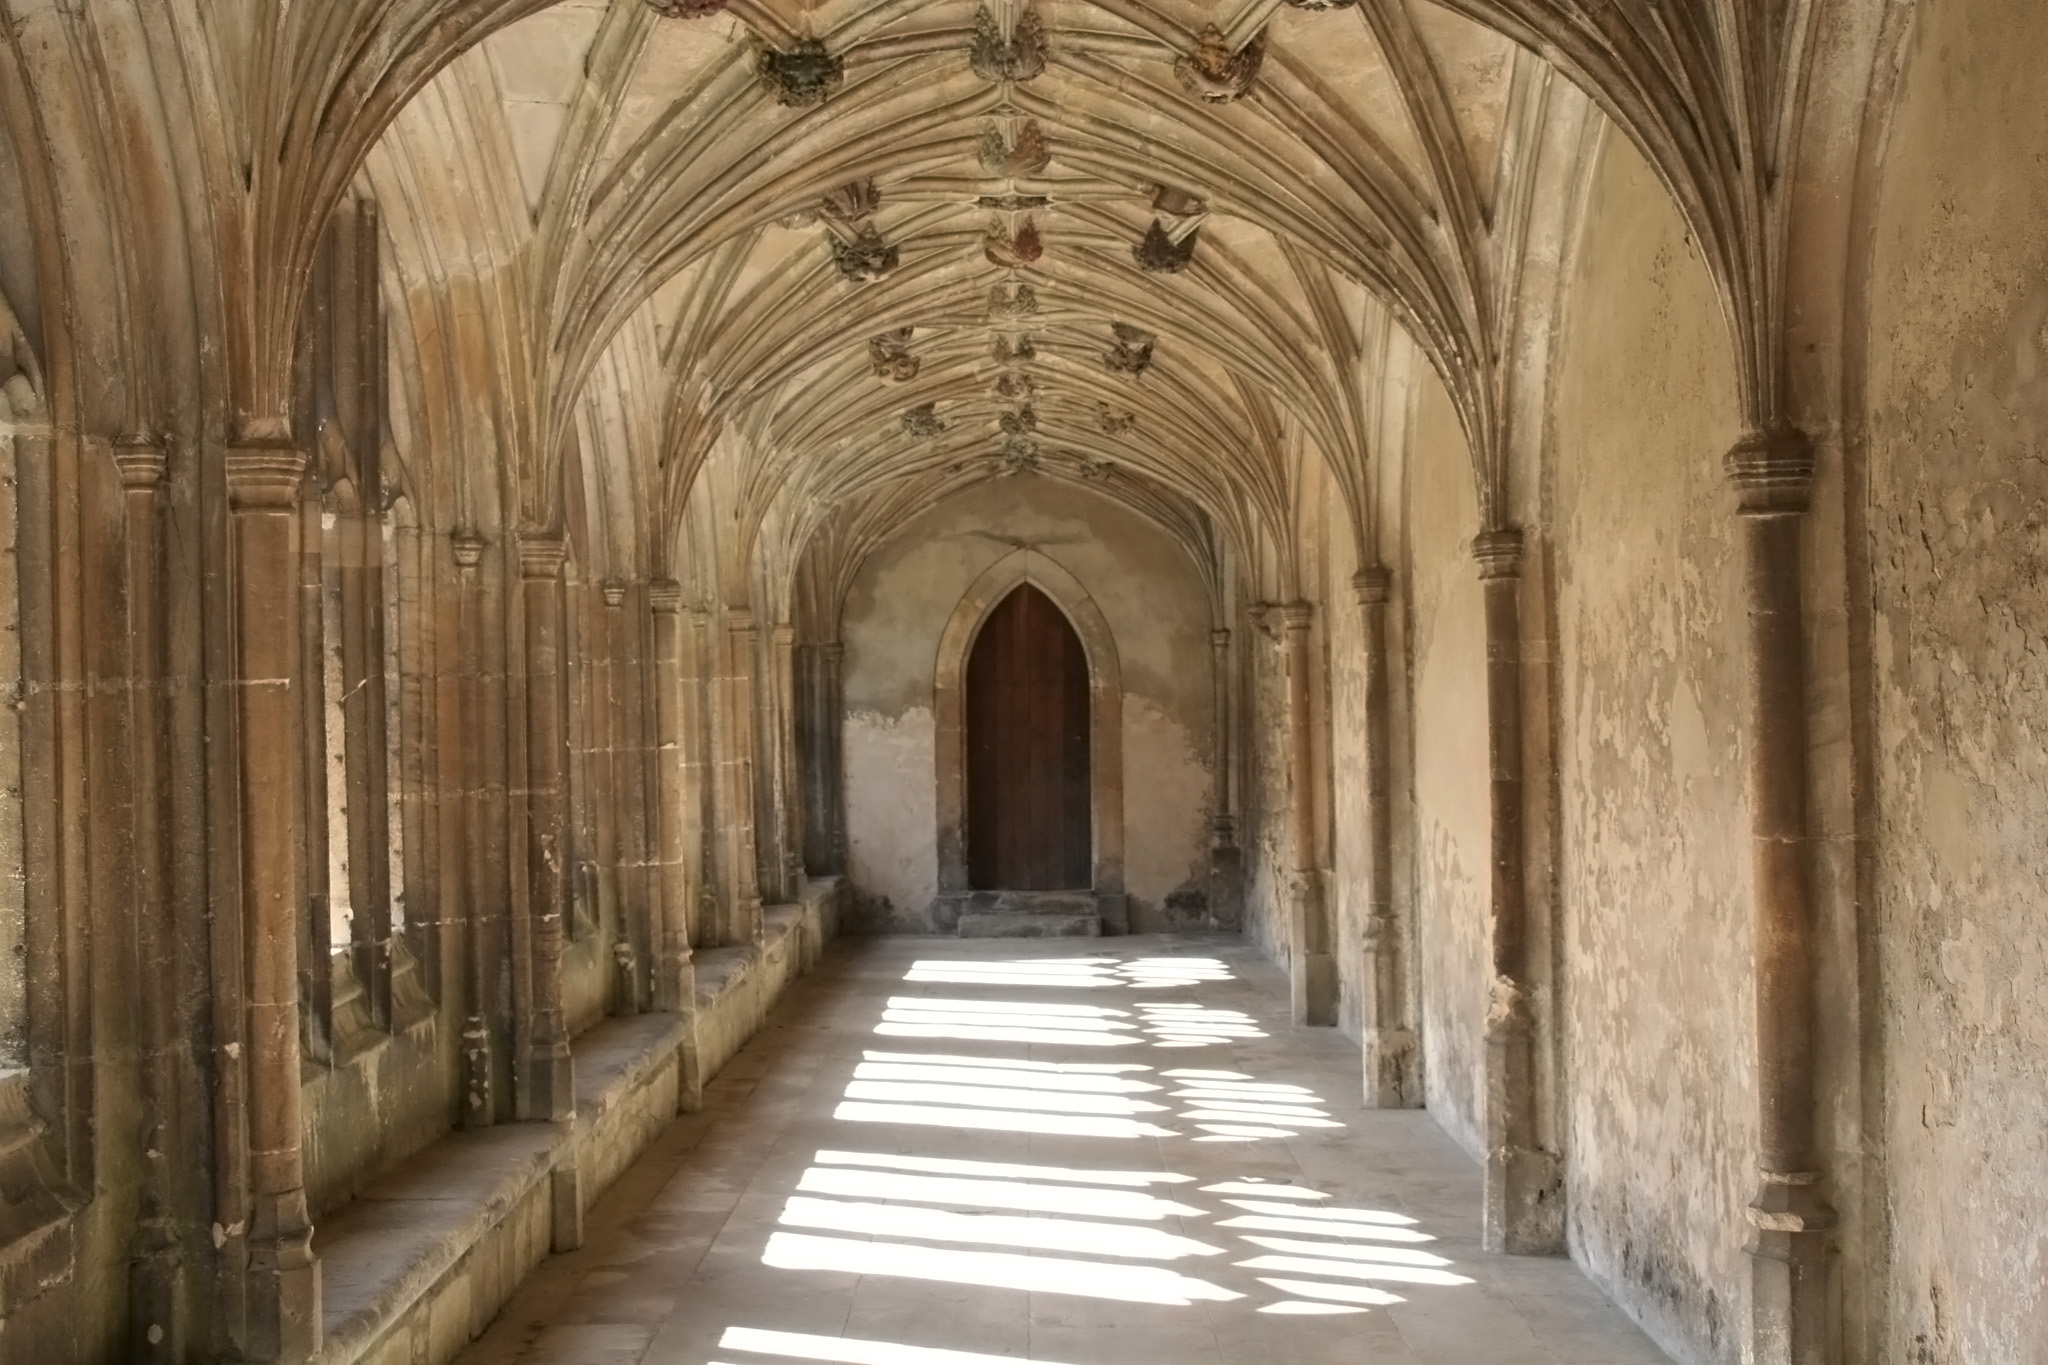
{"points": [[417, 1265]]}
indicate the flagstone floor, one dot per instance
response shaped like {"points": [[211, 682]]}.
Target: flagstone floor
{"points": [[1082, 1152]]}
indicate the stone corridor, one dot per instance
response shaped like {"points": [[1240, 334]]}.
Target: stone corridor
{"points": [[1109, 1152]]}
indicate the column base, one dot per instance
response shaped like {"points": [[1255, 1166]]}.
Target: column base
{"points": [[1524, 1202], [1388, 1064], [1791, 1291], [550, 1084], [284, 1300], [155, 1277]]}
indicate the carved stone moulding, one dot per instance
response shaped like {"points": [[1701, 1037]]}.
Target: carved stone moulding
{"points": [[1321, 6], [923, 422], [1013, 350], [1214, 72], [1018, 423], [1008, 249], [687, 9], [803, 76], [865, 259], [1019, 57], [1013, 203], [1012, 301], [1160, 254], [1114, 421], [853, 202], [1131, 351], [890, 358], [1014, 386], [1025, 152]]}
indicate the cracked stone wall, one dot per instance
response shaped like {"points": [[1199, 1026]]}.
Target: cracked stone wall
{"points": [[1158, 612], [1652, 882], [1957, 535], [1447, 663]]}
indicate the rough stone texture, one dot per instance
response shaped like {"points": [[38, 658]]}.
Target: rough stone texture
{"points": [[900, 604], [1958, 546], [1652, 886], [1447, 660]]}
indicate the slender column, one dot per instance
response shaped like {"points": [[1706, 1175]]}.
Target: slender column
{"points": [[1315, 962], [479, 1084], [1523, 1212], [742, 711], [788, 789], [1388, 1043], [284, 1278], [822, 832], [157, 1283], [700, 774], [549, 1076], [315, 895], [366, 756], [1226, 859], [1772, 474], [675, 977]]}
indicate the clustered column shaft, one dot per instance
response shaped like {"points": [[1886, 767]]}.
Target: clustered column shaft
{"points": [[1772, 474], [549, 1090], [1523, 1205], [1388, 1050], [284, 1278], [1315, 962], [675, 977]]}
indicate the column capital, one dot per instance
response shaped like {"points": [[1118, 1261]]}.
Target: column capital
{"points": [[265, 476], [740, 620], [1372, 584], [831, 649], [542, 554], [665, 595], [1219, 638], [613, 592], [468, 548], [1297, 615], [1499, 552], [782, 633], [1772, 472], [141, 463]]}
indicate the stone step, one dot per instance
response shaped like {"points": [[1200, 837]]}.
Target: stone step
{"points": [[1030, 924]]}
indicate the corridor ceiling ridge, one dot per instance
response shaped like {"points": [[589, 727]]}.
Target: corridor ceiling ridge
{"points": [[1152, 246]]}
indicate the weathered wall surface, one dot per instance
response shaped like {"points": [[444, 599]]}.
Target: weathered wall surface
{"points": [[1652, 886], [1157, 609], [1453, 843], [1958, 547]]}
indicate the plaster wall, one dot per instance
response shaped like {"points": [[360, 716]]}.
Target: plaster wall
{"points": [[1157, 609], [1652, 876], [1957, 536], [1453, 842]]}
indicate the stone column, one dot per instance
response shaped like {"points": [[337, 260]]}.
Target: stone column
{"points": [[701, 703], [315, 895], [549, 1089], [479, 1084], [675, 976], [284, 1278], [160, 1258], [1523, 1205], [1772, 474], [1226, 859], [1388, 1044], [788, 786], [1314, 960], [744, 923]]}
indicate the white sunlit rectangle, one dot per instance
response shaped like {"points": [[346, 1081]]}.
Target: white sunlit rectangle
{"points": [[993, 1270], [990, 1194], [999, 1169], [851, 1351], [998, 1120]]}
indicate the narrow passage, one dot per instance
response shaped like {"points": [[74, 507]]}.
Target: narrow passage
{"points": [[1113, 1152]]}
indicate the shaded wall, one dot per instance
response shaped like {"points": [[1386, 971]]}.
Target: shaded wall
{"points": [[1652, 879], [1157, 609], [1957, 539]]}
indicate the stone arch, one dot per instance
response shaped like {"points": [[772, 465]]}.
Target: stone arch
{"points": [[1105, 731]]}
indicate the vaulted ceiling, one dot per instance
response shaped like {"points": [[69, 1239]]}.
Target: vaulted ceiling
{"points": [[828, 253]]}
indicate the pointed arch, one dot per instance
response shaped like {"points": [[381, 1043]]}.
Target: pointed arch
{"points": [[1105, 730]]}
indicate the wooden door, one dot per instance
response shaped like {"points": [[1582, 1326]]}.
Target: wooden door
{"points": [[1028, 792]]}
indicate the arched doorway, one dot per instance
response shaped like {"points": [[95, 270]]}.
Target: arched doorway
{"points": [[1028, 750]]}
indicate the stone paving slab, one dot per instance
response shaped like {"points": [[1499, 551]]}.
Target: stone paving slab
{"points": [[1108, 1152]]}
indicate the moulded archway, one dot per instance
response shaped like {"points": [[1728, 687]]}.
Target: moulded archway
{"points": [[1105, 735]]}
